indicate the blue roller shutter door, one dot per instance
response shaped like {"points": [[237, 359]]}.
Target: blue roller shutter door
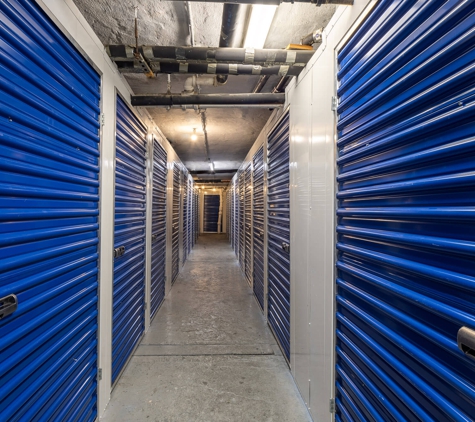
{"points": [[236, 216], [49, 196], [248, 223], [278, 232], [211, 212], [186, 221], [159, 223], [258, 229], [242, 222], [406, 239], [129, 237], [176, 223]]}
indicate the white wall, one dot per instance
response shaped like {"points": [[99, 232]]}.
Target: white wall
{"points": [[66, 15], [312, 216]]}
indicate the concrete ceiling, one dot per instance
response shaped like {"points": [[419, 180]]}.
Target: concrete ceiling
{"points": [[231, 131]]}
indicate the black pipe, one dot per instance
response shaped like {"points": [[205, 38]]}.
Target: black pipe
{"points": [[277, 2], [214, 69], [203, 55], [207, 99], [260, 84]]}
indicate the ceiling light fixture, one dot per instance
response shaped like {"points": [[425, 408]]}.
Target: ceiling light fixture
{"points": [[259, 25], [194, 137]]}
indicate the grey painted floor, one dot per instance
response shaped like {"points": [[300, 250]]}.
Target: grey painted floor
{"points": [[208, 355]]}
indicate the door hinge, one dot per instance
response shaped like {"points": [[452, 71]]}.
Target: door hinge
{"points": [[332, 405], [99, 374], [334, 103], [103, 119], [145, 306]]}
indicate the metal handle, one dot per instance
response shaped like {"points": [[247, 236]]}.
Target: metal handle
{"points": [[466, 341], [8, 305], [286, 247], [154, 237], [118, 252]]}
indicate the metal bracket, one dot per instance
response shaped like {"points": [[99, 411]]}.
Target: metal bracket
{"points": [[99, 374], [332, 406], [8, 305], [103, 119], [334, 103]]}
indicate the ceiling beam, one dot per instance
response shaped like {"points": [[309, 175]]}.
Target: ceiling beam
{"points": [[215, 172]]}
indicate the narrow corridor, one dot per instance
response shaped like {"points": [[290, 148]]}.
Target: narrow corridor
{"points": [[208, 355]]}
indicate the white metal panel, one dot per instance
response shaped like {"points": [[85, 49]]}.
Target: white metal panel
{"points": [[319, 184], [300, 190]]}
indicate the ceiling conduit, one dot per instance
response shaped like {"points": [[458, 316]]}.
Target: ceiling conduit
{"points": [[235, 17], [236, 100]]}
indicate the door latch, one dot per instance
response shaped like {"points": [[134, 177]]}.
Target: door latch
{"points": [[286, 247], [154, 237], [466, 341], [118, 252], [8, 305]]}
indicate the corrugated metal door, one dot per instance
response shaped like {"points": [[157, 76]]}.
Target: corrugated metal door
{"points": [[242, 221], [129, 237], [190, 214], [49, 206], [406, 238], [159, 222], [186, 221], [278, 232], [248, 222], [236, 217], [258, 223], [211, 211], [176, 223]]}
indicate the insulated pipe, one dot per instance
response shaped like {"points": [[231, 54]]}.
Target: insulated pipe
{"points": [[193, 81], [260, 84], [213, 69], [204, 99], [232, 29], [212, 56], [277, 2]]}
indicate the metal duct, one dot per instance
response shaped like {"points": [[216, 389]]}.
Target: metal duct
{"points": [[213, 69], [277, 2], [211, 55], [235, 17], [208, 99]]}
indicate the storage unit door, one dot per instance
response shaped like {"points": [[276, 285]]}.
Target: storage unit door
{"points": [[211, 211], [242, 234], [129, 237], [236, 218], [248, 223], [159, 222], [278, 232], [49, 206], [190, 215], [258, 226], [176, 223], [406, 214], [186, 221]]}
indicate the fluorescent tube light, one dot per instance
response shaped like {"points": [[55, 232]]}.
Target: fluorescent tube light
{"points": [[259, 25]]}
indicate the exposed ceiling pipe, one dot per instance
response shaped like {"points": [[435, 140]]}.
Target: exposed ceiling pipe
{"points": [[233, 25], [312, 38], [207, 99], [205, 131], [205, 106], [213, 69], [190, 22], [260, 84], [280, 87], [212, 55], [277, 2], [193, 83]]}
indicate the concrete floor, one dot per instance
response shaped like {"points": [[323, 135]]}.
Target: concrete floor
{"points": [[208, 355]]}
